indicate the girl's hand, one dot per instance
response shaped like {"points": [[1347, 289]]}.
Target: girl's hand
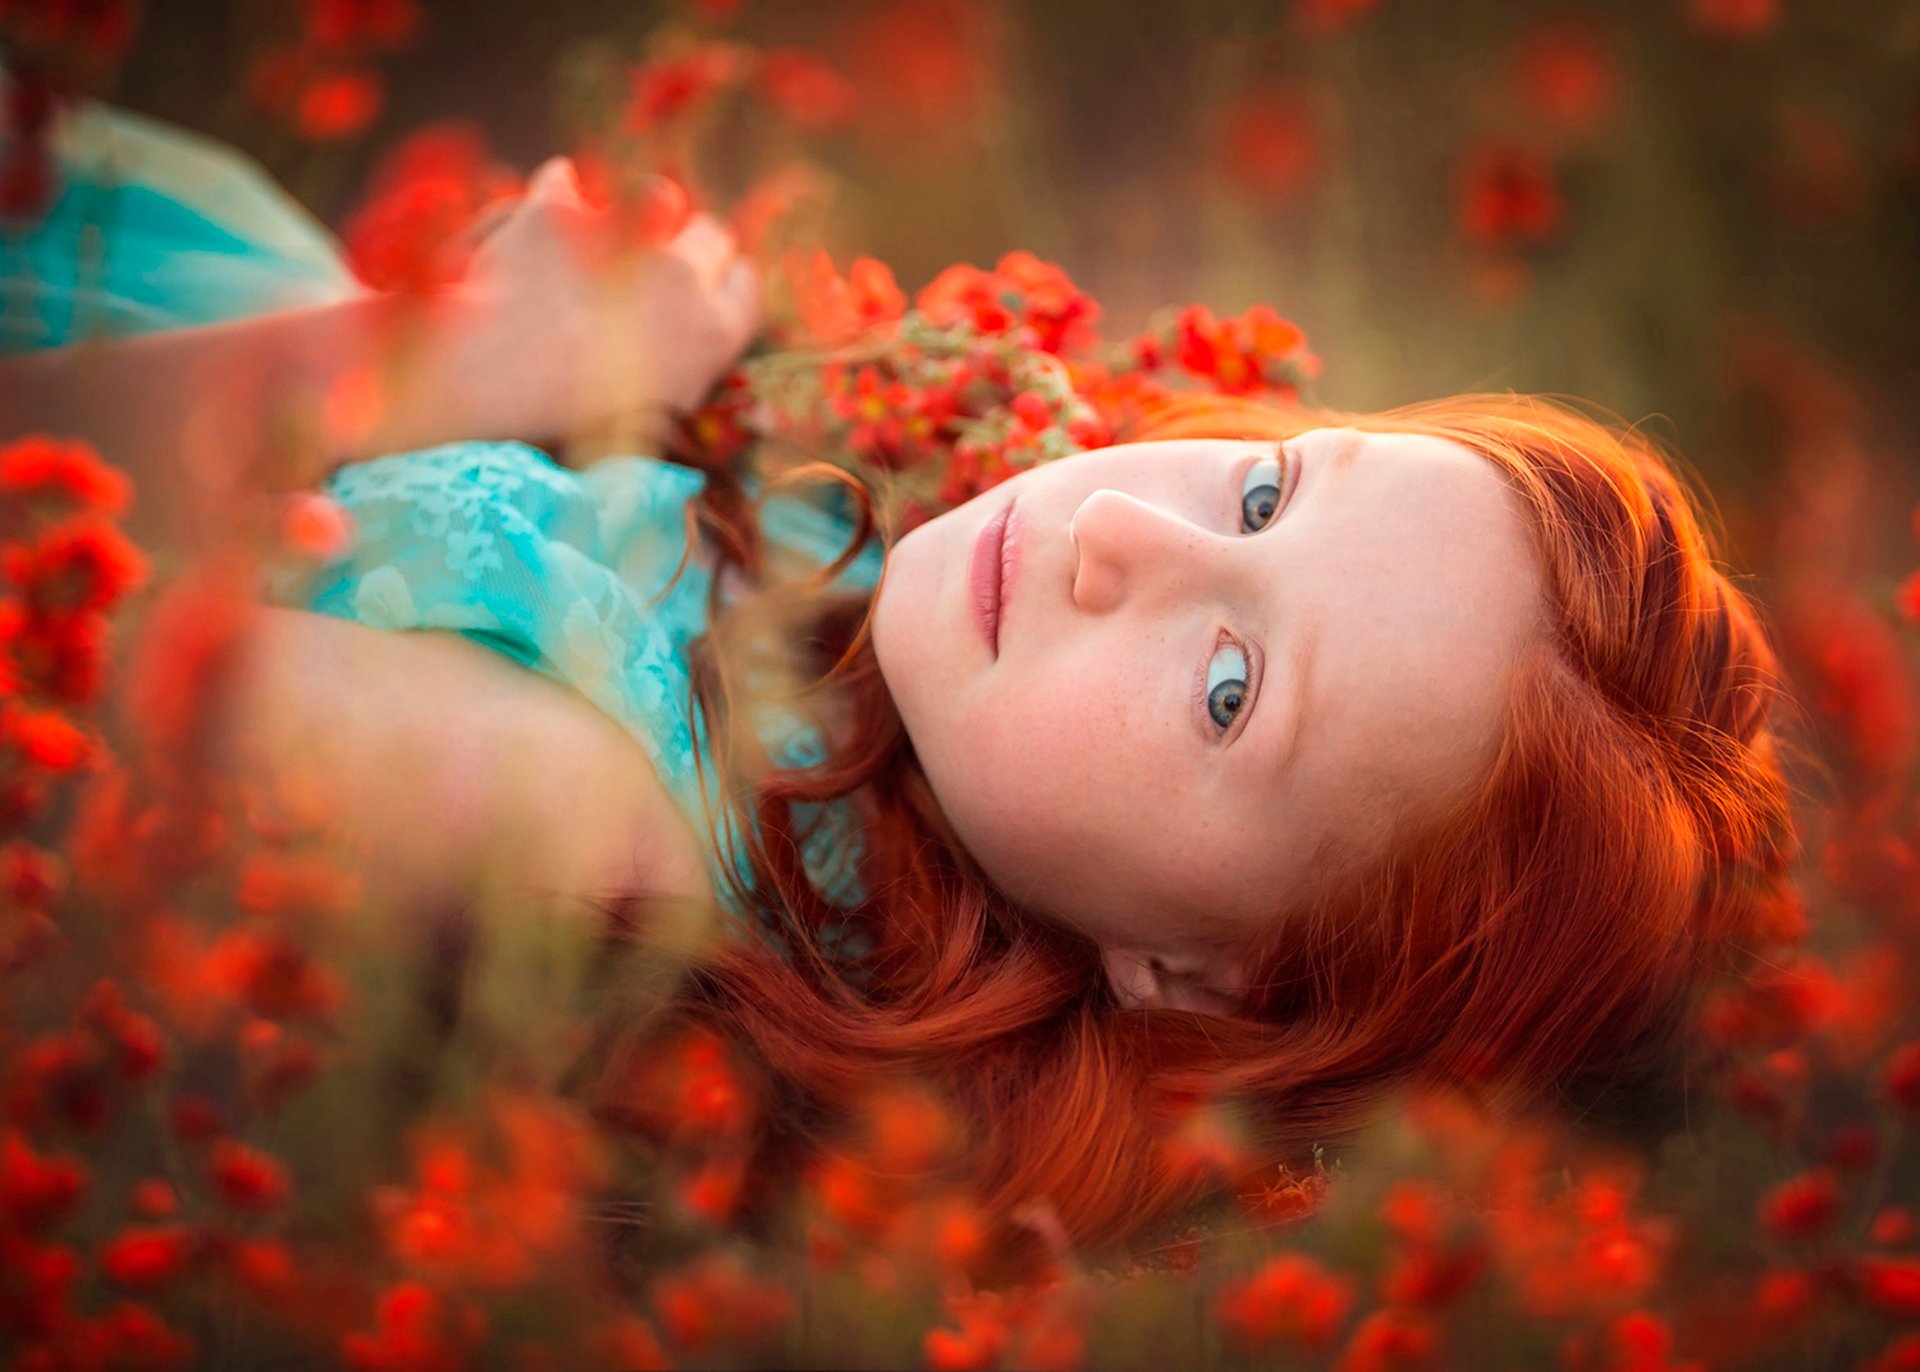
{"points": [[575, 334]]}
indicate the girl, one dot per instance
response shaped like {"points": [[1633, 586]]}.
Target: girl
{"points": [[1277, 756]]}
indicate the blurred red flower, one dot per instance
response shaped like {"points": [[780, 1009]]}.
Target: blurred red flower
{"points": [[1733, 18], [340, 25], [1270, 143], [1320, 18], [922, 67], [1564, 75], [39, 467], [1387, 1339], [715, 1296], [1891, 1285], [36, 1189], [812, 93], [833, 309], [1802, 1207], [142, 1258], [1508, 197], [409, 234], [245, 1177], [339, 105], [1290, 1300], [668, 88]]}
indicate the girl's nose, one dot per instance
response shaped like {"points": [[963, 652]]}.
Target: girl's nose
{"points": [[1125, 548]]}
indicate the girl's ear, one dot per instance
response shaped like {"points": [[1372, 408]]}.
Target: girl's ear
{"points": [[1206, 984]]}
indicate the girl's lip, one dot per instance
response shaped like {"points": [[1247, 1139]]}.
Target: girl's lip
{"points": [[989, 574]]}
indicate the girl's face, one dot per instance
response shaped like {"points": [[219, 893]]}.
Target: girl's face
{"points": [[1162, 689]]}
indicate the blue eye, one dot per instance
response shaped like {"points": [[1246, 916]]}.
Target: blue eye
{"points": [[1226, 685], [1260, 494]]}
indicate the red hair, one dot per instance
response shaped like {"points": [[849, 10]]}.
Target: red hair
{"points": [[1538, 942]]}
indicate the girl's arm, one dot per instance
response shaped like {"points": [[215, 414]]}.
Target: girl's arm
{"points": [[448, 767], [264, 402], [555, 333]]}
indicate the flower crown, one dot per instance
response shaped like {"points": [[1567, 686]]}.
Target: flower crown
{"points": [[989, 373]]}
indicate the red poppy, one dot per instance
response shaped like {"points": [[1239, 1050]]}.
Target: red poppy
{"points": [[344, 25], [1802, 1207], [1564, 75], [1734, 18], [39, 466], [143, 1258], [36, 1189], [339, 105], [1509, 197], [1270, 143], [133, 1336], [245, 1177], [672, 87], [1891, 1285], [1290, 1300], [813, 94], [409, 235]]}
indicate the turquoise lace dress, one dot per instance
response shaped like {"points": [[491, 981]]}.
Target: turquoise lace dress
{"points": [[573, 574], [570, 574]]}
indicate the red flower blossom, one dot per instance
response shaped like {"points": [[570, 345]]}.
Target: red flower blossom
{"points": [[154, 1198], [42, 738], [29, 875], [82, 563], [1902, 1355], [833, 309], [813, 94], [1906, 597], [1891, 1285], [1253, 352], [1434, 1277], [416, 1331], [924, 69], [1801, 1208], [270, 975], [1270, 144], [1509, 198], [193, 1118], [348, 25], [282, 885], [1388, 1339], [1289, 1301], [628, 1341], [1902, 1076], [409, 233], [262, 1266], [1816, 174], [1021, 290], [1854, 1147], [246, 1178], [1321, 18], [672, 87], [1564, 76], [39, 467], [1782, 1296], [716, 1298], [140, 1259], [1734, 18], [36, 1190], [339, 105], [1893, 1227], [132, 1336]]}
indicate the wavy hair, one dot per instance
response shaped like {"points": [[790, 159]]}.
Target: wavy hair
{"points": [[1537, 943]]}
